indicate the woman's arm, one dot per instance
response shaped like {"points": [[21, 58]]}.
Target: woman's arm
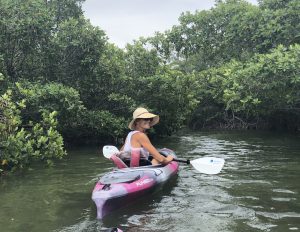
{"points": [[144, 141]]}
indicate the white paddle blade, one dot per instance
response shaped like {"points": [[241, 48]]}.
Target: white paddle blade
{"points": [[109, 150], [208, 165]]}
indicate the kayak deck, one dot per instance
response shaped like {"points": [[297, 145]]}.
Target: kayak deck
{"points": [[120, 187]]}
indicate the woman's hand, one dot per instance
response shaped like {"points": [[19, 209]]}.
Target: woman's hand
{"points": [[168, 159]]}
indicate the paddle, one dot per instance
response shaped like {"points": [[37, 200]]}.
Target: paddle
{"points": [[207, 165]]}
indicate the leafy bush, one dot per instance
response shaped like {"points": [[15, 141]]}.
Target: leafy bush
{"points": [[256, 90], [18, 144], [51, 97]]}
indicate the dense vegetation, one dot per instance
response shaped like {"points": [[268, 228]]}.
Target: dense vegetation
{"points": [[234, 66]]}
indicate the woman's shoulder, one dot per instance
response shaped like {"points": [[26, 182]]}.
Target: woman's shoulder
{"points": [[139, 134]]}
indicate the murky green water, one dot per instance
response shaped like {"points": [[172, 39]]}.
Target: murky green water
{"points": [[258, 190]]}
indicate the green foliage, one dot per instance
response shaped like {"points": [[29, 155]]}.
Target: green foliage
{"points": [[3, 84], [242, 59], [25, 31], [19, 145], [75, 51], [235, 65], [47, 40], [169, 93], [51, 97], [140, 62], [233, 29], [48, 143], [108, 78], [256, 89], [65, 9], [274, 4], [206, 38], [102, 124], [267, 82]]}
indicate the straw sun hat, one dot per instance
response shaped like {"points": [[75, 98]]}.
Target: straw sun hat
{"points": [[143, 113]]}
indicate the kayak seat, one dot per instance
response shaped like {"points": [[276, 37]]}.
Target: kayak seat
{"points": [[142, 162], [134, 160], [118, 162]]}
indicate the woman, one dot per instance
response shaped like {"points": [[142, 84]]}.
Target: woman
{"points": [[137, 142]]}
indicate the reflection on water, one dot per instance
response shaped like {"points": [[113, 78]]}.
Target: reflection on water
{"points": [[257, 190]]}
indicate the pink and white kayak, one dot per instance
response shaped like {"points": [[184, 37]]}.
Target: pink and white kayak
{"points": [[118, 188]]}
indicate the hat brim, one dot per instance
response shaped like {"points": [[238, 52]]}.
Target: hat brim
{"points": [[155, 119]]}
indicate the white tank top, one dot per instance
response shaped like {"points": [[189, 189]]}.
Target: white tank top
{"points": [[128, 148]]}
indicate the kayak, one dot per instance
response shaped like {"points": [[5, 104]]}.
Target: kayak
{"points": [[120, 187]]}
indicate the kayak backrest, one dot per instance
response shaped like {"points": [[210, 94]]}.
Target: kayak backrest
{"points": [[118, 162], [135, 158]]}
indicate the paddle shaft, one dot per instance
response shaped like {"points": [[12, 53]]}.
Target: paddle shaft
{"points": [[177, 160], [182, 161]]}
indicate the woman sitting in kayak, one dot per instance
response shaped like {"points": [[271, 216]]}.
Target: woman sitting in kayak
{"points": [[137, 143]]}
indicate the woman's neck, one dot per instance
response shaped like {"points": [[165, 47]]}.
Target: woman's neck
{"points": [[140, 129]]}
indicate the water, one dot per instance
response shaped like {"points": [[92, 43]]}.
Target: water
{"points": [[257, 190]]}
